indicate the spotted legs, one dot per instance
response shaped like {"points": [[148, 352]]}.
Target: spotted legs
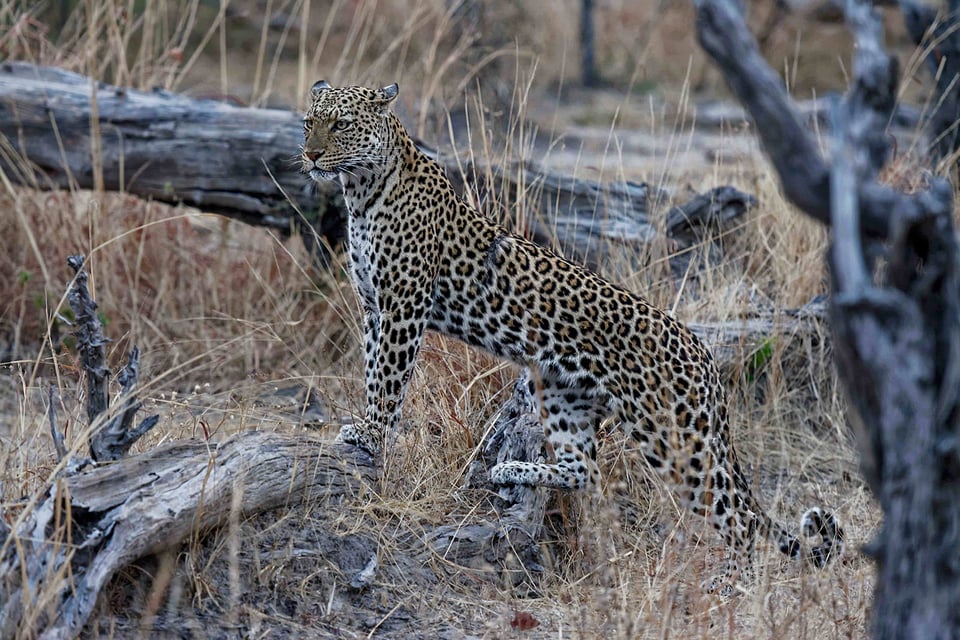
{"points": [[570, 419], [392, 339]]}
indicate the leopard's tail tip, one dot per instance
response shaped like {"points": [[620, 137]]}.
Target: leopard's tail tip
{"points": [[822, 523]]}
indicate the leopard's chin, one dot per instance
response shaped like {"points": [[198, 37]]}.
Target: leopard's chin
{"points": [[323, 175]]}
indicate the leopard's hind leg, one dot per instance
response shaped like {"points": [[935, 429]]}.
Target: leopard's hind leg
{"points": [[570, 416], [692, 457]]}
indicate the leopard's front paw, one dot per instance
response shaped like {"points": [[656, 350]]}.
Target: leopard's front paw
{"points": [[361, 435]]}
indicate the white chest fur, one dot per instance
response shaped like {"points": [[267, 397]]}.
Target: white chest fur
{"points": [[361, 261]]}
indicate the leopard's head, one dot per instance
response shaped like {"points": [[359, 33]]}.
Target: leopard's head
{"points": [[346, 129]]}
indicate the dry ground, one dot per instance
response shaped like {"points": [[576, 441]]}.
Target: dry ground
{"points": [[239, 332]]}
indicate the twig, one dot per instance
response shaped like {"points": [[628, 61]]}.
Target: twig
{"points": [[54, 430]]}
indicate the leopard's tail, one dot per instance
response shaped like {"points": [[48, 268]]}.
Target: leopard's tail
{"points": [[815, 522]]}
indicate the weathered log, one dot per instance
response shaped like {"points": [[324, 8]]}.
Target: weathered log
{"points": [[240, 162], [144, 504], [584, 220], [898, 334], [243, 163]]}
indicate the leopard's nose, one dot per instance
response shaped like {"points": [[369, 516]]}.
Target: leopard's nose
{"points": [[312, 156]]}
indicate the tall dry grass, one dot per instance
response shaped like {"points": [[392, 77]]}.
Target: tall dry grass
{"points": [[225, 315]]}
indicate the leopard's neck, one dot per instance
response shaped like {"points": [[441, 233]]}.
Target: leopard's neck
{"points": [[367, 185]]}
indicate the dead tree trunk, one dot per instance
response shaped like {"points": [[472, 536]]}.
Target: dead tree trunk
{"points": [[898, 336], [244, 163]]}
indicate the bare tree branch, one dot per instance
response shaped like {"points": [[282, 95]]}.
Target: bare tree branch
{"points": [[58, 443], [804, 175]]}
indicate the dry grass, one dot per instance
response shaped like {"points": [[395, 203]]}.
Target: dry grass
{"points": [[229, 318]]}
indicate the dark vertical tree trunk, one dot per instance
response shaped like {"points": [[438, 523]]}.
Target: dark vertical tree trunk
{"points": [[937, 33], [898, 335], [588, 65]]}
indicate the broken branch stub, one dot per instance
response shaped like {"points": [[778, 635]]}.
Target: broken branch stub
{"points": [[112, 439], [90, 340]]}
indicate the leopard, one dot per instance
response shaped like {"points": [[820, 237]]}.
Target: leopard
{"points": [[421, 257]]}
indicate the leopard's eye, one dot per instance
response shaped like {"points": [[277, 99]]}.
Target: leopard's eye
{"points": [[341, 125], [307, 124]]}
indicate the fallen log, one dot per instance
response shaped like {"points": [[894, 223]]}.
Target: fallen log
{"points": [[63, 550], [64, 130], [61, 130], [143, 504]]}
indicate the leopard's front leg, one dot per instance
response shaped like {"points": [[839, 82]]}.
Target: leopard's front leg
{"points": [[395, 319], [363, 431]]}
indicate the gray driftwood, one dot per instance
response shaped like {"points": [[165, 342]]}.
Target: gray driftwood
{"points": [[243, 163], [146, 503], [898, 333]]}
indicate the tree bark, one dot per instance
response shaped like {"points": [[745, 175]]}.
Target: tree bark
{"points": [[897, 335]]}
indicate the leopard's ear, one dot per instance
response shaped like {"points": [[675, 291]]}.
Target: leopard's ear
{"points": [[387, 94], [319, 87]]}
